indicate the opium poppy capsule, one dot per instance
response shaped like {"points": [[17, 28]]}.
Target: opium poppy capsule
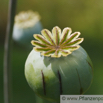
{"points": [[26, 24], [58, 65]]}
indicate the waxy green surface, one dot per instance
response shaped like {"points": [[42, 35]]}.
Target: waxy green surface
{"points": [[51, 77]]}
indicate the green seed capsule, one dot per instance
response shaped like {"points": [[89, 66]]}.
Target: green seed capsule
{"points": [[59, 74], [26, 24]]}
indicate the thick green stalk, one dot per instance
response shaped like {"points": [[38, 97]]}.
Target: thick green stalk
{"points": [[7, 51], [40, 100]]}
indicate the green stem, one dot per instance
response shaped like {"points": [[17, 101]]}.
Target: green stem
{"points": [[7, 51], [40, 100]]}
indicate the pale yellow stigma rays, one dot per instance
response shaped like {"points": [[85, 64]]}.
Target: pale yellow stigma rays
{"points": [[57, 43], [27, 19]]}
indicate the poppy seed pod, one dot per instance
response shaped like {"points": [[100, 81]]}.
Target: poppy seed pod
{"points": [[58, 65], [26, 24]]}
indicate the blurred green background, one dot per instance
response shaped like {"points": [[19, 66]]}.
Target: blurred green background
{"points": [[84, 16]]}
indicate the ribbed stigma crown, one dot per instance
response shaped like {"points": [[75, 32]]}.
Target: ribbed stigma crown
{"points": [[57, 43], [27, 19]]}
